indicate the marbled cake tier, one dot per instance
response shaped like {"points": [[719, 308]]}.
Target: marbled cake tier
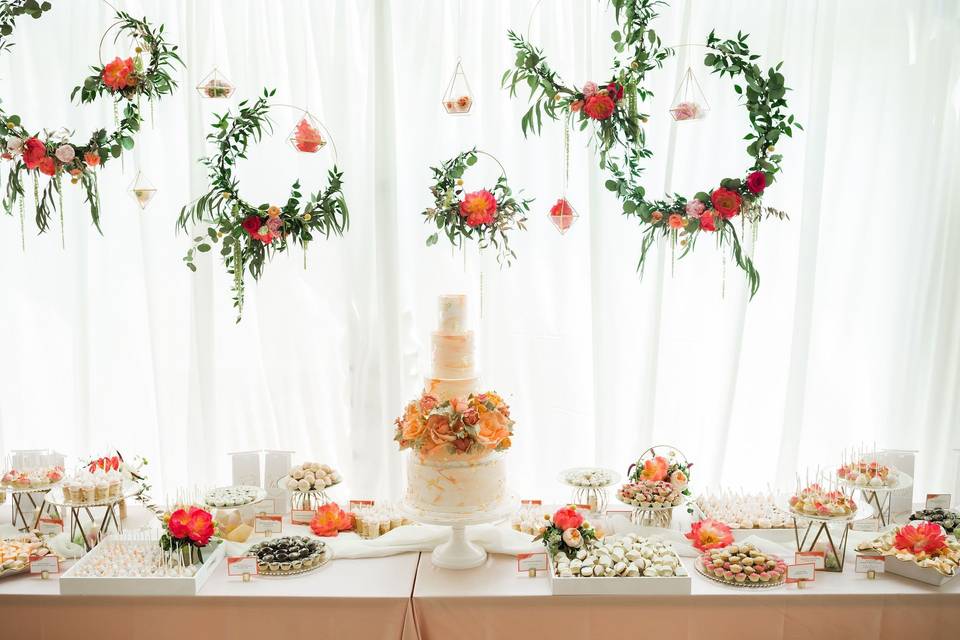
{"points": [[456, 485]]}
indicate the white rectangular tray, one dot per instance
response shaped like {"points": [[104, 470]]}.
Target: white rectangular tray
{"points": [[909, 569], [71, 584], [635, 586]]}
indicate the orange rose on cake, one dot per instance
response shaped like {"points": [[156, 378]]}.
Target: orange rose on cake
{"points": [[492, 429]]}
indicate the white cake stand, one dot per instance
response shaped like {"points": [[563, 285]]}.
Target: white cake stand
{"points": [[458, 552]]}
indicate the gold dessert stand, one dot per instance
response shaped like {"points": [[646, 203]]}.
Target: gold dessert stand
{"points": [[17, 504], [110, 506]]}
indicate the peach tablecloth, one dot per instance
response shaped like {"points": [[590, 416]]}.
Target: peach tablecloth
{"points": [[493, 601]]}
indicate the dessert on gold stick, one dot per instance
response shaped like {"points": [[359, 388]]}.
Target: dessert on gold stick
{"points": [[456, 472]]}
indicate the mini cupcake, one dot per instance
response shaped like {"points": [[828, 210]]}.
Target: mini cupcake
{"points": [[89, 490], [101, 489]]}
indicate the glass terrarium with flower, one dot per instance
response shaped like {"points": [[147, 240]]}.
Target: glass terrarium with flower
{"points": [[458, 98]]}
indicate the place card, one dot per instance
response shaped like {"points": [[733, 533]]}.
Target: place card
{"points": [[531, 503], [938, 500], [818, 558], [267, 506], [531, 562], [799, 573], [241, 566], [867, 524], [870, 565], [353, 505], [301, 516], [51, 526], [44, 565], [267, 523]]}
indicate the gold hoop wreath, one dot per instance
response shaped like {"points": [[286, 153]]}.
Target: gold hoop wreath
{"points": [[33, 153], [612, 109], [250, 234]]}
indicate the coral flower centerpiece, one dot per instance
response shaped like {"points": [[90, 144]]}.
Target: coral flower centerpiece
{"points": [[709, 534], [566, 532]]}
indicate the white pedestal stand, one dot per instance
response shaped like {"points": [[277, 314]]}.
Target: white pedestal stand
{"points": [[458, 552]]}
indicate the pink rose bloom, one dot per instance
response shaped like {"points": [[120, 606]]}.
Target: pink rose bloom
{"points": [[695, 208], [679, 480], [686, 111], [65, 153], [589, 88]]}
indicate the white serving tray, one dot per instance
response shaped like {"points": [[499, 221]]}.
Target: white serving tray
{"points": [[634, 586], [71, 584], [910, 569]]}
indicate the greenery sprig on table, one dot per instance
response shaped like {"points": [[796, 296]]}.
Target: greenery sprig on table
{"points": [[248, 234], [52, 153], [613, 108], [487, 215]]}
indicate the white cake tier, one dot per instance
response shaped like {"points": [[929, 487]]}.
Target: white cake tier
{"points": [[456, 486], [447, 388], [453, 313], [452, 355]]}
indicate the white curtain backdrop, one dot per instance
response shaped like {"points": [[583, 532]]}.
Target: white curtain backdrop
{"points": [[854, 336]]}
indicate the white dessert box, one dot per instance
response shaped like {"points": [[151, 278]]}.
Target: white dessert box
{"points": [[74, 585], [618, 586], [910, 569]]}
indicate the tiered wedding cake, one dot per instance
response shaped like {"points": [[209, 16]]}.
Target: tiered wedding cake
{"points": [[455, 433]]}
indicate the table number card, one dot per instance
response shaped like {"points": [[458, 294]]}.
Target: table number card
{"points": [[531, 503], [301, 516], [353, 505], [240, 565], [44, 564], [531, 561], [938, 500], [866, 564], [818, 558], [50, 526], [267, 523], [801, 573]]}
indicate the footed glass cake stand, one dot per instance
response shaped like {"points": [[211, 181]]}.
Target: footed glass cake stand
{"points": [[458, 552]]}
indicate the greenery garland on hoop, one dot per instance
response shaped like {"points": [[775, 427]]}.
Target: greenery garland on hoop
{"points": [[612, 108], [52, 153], [251, 234], [486, 214]]}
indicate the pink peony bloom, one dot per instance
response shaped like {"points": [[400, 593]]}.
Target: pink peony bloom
{"points": [[65, 153], [589, 88], [695, 208]]}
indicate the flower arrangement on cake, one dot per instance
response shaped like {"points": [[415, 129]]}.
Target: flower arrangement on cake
{"points": [[922, 543], [477, 424], [630, 556], [657, 482], [567, 532], [946, 518], [815, 500], [188, 529], [742, 564]]}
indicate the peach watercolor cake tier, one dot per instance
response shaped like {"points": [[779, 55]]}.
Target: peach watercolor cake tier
{"points": [[456, 434]]}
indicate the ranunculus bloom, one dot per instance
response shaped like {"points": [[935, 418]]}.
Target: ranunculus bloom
{"points": [[709, 534], [251, 224], [707, 221], [119, 74], [726, 202], [330, 520], [655, 469], [589, 89], [273, 211], [567, 518], [694, 208], [492, 429], [572, 538], [91, 158], [599, 106], [757, 182], [479, 207], [471, 417], [676, 221], [615, 91], [65, 153], [921, 538], [47, 166], [306, 137], [679, 479], [33, 152]]}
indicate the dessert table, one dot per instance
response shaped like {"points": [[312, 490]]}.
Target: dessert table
{"points": [[495, 601]]}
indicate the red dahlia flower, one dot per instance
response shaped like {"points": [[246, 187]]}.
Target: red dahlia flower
{"points": [[479, 207], [726, 202], [599, 106]]}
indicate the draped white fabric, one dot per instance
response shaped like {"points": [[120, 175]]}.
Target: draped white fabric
{"points": [[853, 336]]}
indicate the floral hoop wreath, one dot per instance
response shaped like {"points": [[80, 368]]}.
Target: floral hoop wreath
{"points": [[52, 153], [488, 214], [613, 110], [251, 234]]}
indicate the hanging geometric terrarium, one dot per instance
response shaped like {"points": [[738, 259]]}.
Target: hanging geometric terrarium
{"points": [[142, 190], [563, 215], [689, 103], [306, 136], [458, 99], [215, 85]]}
